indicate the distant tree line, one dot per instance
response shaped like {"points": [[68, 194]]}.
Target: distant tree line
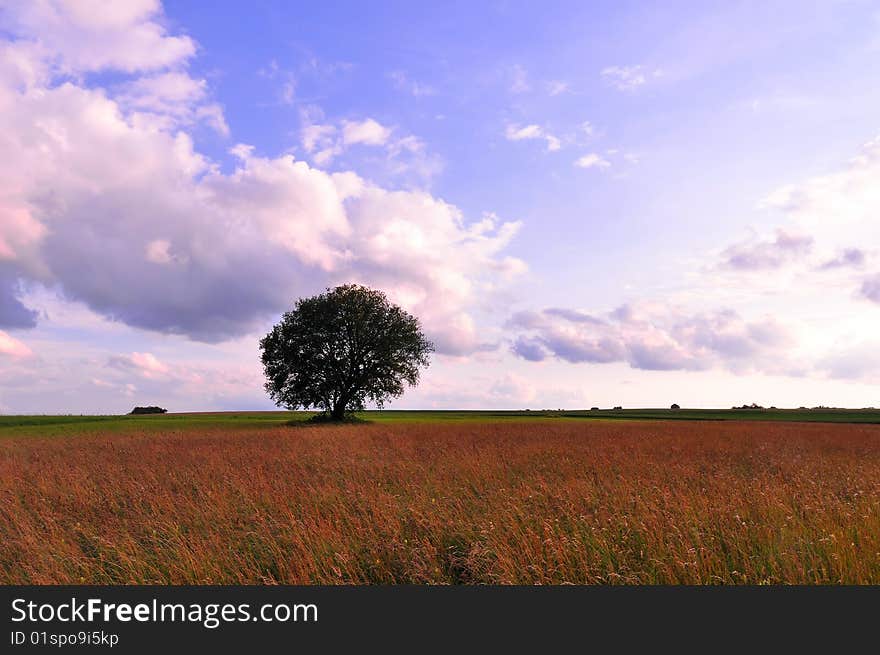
{"points": [[148, 410]]}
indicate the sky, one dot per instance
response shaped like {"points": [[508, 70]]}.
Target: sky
{"points": [[585, 204]]}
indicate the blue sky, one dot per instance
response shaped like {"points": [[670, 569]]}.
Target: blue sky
{"points": [[585, 203]]}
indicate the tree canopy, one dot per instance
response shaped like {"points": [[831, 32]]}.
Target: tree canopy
{"points": [[339, 349]]}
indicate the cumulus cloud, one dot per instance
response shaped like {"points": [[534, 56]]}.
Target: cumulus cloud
{"points": [[756, 255], [652, 337], [122, 213], [628, 78], [91, 35], [515, 132]]}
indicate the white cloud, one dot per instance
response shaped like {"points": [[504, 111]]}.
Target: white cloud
{"points": [[89, 179], [405, 157], [515, 132], [628, 78], [173, 98], [838, 209], [92, 35], [592, 160], [842, 205], [368, 132]]}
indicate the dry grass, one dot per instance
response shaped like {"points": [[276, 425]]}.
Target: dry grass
{"points": [[545, 502]]}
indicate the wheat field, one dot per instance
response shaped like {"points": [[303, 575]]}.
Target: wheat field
{"points": [[540, 502]]}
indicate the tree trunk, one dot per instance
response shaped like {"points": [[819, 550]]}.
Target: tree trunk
{"points": [[338, 412]]}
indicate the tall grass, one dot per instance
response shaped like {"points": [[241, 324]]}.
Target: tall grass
{"points": [[540, 502]]}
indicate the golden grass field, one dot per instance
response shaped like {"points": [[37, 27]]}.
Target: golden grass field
{"points": [[547, 502]]}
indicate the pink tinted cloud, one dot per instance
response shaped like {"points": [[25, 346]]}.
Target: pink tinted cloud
{"points": [[11, 347]]}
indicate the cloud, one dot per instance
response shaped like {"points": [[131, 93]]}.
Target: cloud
{"points": [[368, 132], [628, 78], [404, 83], [652, 337], [837, 209], [852, 362], [871, 288], [174, 99], [757, 255], [515, 132], [13, 313], [10, 347], [119, 211], [315, 136], [90, 35], [840, 205], [144, 364], [557, 87], [849, 258], [409, 156], [530, 349], [592, 160], [404, 157]]}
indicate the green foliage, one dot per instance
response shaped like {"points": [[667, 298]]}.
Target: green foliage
{"points": [[152, 409], [337, 350]]}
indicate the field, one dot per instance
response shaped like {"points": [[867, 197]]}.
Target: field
{"points": [[443, 498]]}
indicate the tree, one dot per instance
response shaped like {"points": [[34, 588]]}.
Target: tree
{"points": [[152, 409], [336, 350]]}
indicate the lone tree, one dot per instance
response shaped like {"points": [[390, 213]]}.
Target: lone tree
{"points": [[338, 349]]}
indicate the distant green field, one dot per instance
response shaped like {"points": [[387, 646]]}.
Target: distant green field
{"points": [[824, 415], [47, 425]]}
